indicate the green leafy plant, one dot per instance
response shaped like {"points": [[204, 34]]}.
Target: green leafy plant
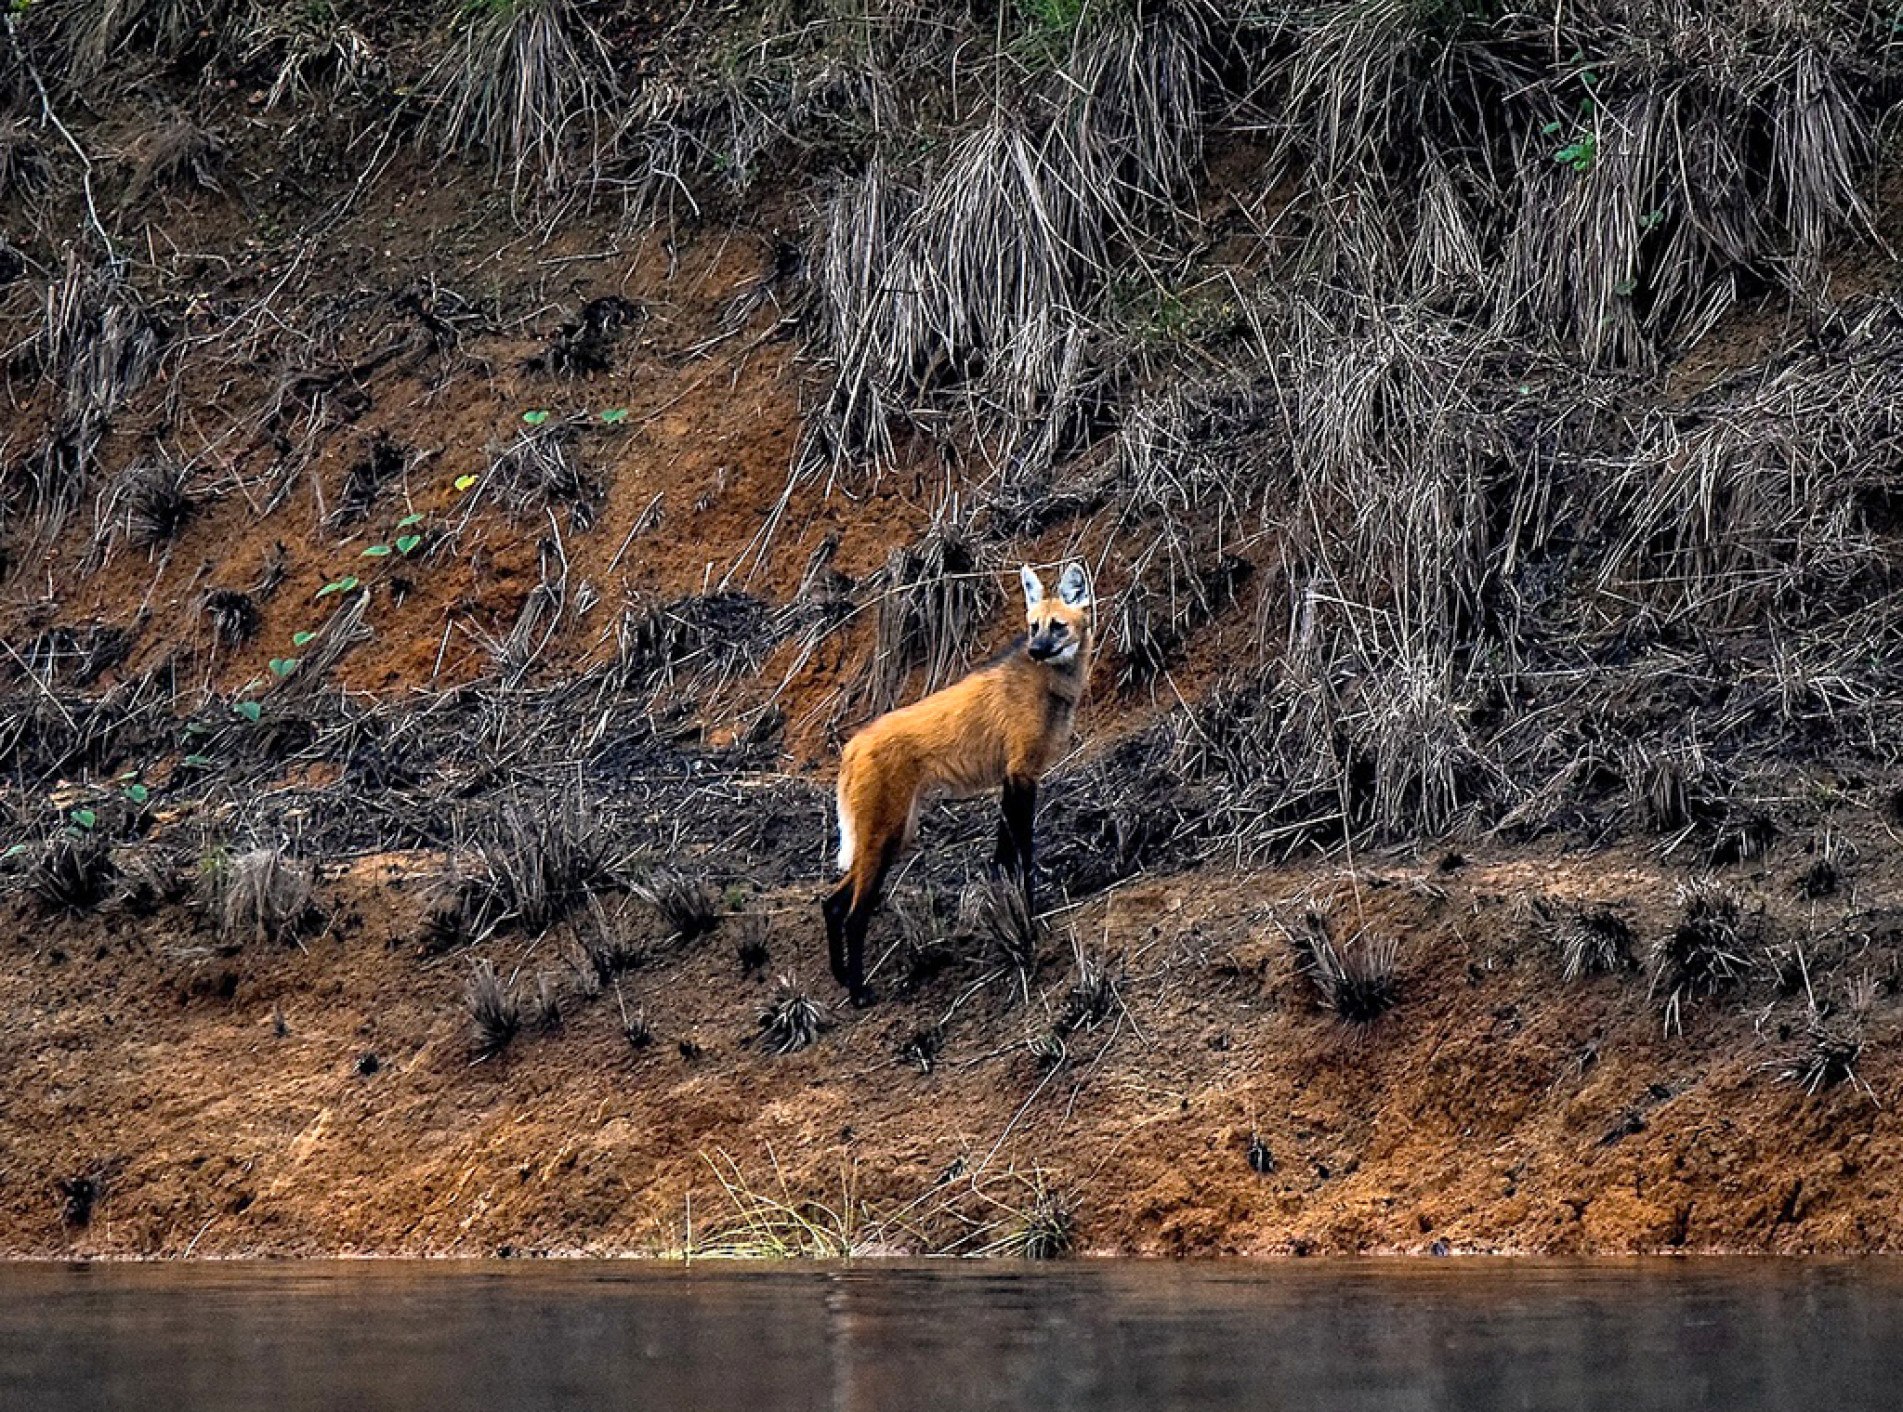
{"points": [[1579, 154], [302, 637], [83, 819], [250, 710], [1583, 150], [535, 418], [282, 667], [464, 482], [342, 585], [405, 543], [377, 551], [415, 518], [615, 416]]}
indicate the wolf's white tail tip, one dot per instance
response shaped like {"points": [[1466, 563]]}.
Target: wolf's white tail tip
{"points": [[847, 843]]}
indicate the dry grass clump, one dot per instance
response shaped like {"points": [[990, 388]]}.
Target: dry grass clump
{"points": [[1616, 171], [152, 503], [707, 639], [1704, 954], [25, 171], [542, 470], [607, 948], [382, 462], [1501, 591], [935, 597], [259, 896], [97, 38], [921, 1048], [791, 1020], [972, 286], [751, 946], [526, 84], [1044, 1229], [99, 345], [150, 878], [178, 154], [1763, 499], [1092, 994], [1188, 471], [308, 50]]}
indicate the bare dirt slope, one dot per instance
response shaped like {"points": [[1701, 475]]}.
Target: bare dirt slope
{"points": [[325, 1099]]}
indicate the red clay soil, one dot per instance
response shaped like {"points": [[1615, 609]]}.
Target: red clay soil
{"points": [[220, 1101]]}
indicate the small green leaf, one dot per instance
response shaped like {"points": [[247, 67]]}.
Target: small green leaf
{"points": [[302, 637], [342, 585], [282, 667], [377, 551], [1550, 128], [138, 793], [615, 416], [13, 852], [464, 482], [1625, 288], [83, 818], [1650, 220], [196, 761], [535, 418], [250, 710], [405, 543], [409, 520]]}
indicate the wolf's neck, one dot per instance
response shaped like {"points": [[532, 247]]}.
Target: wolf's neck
{"points": [[1067, 678]]}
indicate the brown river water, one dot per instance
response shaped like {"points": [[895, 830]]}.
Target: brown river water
{"points": [[1105, 1336]]}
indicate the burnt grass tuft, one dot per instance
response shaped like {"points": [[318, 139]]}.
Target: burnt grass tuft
{"points": [[380, 465], [689, 906], [78, 1196], [791, 1019], [994, 912], [1595, 941], [495, 1011], [751, 946], [1704, 954], [1358, 980], [74, 873], [234, 617], [1833, 1043], [1047, 1229]]}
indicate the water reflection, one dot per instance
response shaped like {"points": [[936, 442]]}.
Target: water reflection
{"points": [[1104, 1337]]}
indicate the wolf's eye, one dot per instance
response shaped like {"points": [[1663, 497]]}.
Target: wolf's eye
{"points": [[1059, 629]]}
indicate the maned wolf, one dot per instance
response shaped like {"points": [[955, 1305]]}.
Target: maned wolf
{"points": [[1001, 726]]}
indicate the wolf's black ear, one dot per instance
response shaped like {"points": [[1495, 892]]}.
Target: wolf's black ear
{"points": [[1074, 586], [1033, 587]]}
